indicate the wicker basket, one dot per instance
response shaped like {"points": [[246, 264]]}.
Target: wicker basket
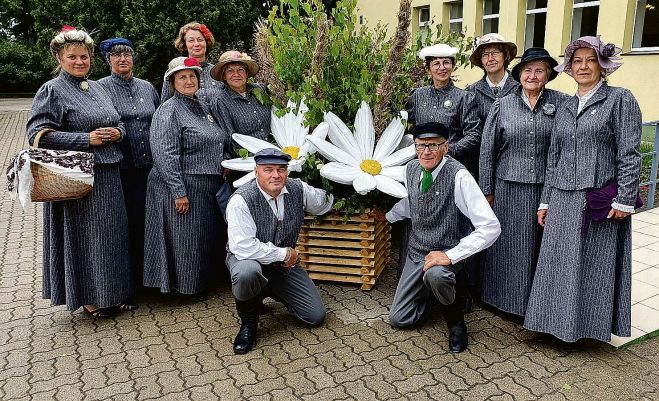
{"points": [[50, 186]]}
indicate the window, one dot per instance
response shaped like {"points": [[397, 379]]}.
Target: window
{"points": [[584, 18], [455, 16], [536, 21], [646, 25], [424, 21], [490, 16]]}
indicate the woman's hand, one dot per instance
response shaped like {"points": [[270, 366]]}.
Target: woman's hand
{"points": [[182, 204], [225, 172], [103, 135], [542, 215], [490, 199], [617, 214]]}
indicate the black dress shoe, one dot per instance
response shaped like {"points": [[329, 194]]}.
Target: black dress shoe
{"points": [[457, 336], [246, 338]]}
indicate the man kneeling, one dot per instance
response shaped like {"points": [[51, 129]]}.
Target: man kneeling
{"points": [[443, 203], [264, 218]]}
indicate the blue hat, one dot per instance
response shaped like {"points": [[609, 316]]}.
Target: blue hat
{"points": [[271, 156], [430, 130], [107, 44]]}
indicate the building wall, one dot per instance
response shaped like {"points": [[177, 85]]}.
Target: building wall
{"points": [[639, 73]]}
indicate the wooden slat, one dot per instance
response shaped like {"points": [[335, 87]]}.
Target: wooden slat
{"points": [[338, 235], [336, 277], [313, 267], [337, 261]]}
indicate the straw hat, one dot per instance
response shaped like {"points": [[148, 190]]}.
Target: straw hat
{"points": [[489, 40], [233, 56]]}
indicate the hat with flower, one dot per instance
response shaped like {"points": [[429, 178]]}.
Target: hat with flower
{"points": [[233, 56], [182, 63], [607, 54]]}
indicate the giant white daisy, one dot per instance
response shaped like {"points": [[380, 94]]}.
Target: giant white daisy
{"points": [[353, 159], [291, 137]]}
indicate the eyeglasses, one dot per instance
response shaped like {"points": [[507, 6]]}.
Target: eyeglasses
{"points": [[235, 70], [435, 65], [120, 55], [493, 53], [433, 147]]}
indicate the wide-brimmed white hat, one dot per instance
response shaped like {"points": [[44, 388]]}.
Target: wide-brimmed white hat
{"points": [[233, 56], [440, 50], [182, 63]]}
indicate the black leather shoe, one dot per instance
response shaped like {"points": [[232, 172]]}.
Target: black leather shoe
{"points": [[457, 336], [246, 338]]}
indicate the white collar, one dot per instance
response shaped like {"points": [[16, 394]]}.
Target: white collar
{"points": [[526, 98], [501, 83], [591, 92], [267, 195]]}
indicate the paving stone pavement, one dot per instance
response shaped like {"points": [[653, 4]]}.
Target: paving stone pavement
{"points": [[178, 349]]}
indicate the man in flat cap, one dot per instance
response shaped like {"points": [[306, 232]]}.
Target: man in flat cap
{"points": [[264, 217], [444, 202]]}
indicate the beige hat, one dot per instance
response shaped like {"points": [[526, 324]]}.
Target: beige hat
{"points": [[489, 40], [182, 63], [233, 56], [440, 50]]}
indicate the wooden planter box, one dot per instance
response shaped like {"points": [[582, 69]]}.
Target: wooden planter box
{"points": [[353, 252]]}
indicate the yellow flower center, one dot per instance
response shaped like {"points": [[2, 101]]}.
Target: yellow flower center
{"points": [[292, 151], [373, 167]]}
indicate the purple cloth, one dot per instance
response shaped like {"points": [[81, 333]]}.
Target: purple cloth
{"points": [[598, 204]]}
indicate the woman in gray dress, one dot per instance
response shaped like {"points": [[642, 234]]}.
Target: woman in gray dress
{"points": [[512, 170], [182, 241], [582, 284], [85, 253], [135, 100], [237, 104], [195, 40]]}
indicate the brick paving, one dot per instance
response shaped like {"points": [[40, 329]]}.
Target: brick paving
{"points": [[174, 348]]}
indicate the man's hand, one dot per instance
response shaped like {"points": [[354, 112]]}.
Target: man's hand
{"points": [[436, 258], [292, 259]]}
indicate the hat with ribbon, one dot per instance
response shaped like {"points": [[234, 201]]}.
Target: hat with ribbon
{"points": [[534, 54], [607, 54], [182, 63], [233, 56], [491, 39], [439, 50]]}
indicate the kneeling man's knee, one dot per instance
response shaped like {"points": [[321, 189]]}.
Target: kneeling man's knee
{"points": [[247, 280]]}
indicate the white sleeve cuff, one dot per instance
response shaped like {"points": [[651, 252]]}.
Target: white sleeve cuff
{"points": [[623, 208], [543, 206]]}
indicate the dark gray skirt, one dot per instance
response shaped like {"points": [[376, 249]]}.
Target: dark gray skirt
{"points": [[85, 252], [582, 284], [509, 264], [182, 252]]}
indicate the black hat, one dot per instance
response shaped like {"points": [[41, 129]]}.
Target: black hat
{"points": [[532, 54], [430, 130], [271, 156]]}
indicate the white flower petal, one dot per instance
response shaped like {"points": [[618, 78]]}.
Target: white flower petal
{"points": [[320, 132], [340, 135], [339, 172], [331, 152], [365, 131], [397, 172], [296, 165], [277, 128], [252, 144], [244, 179], [364, 183], [399, 157], [389, 140], [390, 186], [240, 164]]}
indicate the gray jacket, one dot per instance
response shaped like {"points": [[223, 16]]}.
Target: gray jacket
{"points": [[455, 109], [185, 139], [598, 146], [516, 139], [485, 97], [62, 105]]}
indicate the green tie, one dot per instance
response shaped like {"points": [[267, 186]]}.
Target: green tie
{"points": [[426, 180]]}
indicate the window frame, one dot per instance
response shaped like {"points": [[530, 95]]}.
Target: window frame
{"points": [[490, 17], [585, 4], [533, 11], [642, 49], [455, 20]]}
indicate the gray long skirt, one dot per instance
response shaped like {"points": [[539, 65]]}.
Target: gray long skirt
{"points": [[509, 264], [582, 285], [182, 251], [85, 247]]}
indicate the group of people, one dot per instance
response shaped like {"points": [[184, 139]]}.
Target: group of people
{"points": [[496, 196]]}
